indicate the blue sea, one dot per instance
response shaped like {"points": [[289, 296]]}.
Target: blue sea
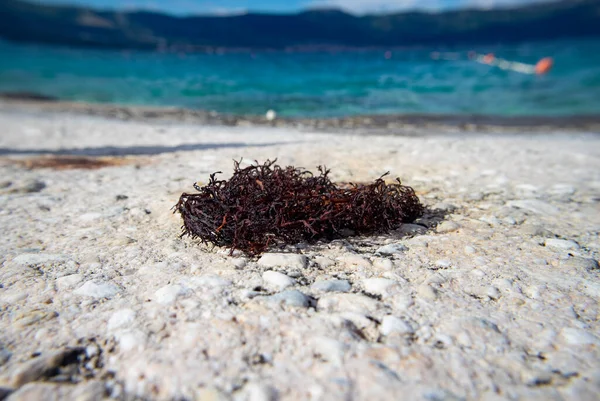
{"points": [[317, 84]]}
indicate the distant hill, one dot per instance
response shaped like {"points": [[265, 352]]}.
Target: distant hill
{"points": [[77, 26]]}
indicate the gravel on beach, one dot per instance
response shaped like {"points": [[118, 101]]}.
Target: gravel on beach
{"points": [[492, 295]]}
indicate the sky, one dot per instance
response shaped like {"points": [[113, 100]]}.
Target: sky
{"points": [[183, 7]]}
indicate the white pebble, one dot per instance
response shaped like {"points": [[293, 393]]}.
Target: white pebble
{"points": [[168, 294], [329, 349], [562, 190], [394, 325], [348, 303], [68, 281], [130, 340], [355, 260], [260, 392], [283, 259], [561, 244], [324, 262], [239, 263], [392, 249], [491, 220], [100, 290], [290, 298], [447, 227], [427, 292], [331, 286], [380, 286], [383, 264], [277, 280], [535, 206], [443, 263], [469, 250], [493, 292], [209, 280], [121, 319], [574, 336]]}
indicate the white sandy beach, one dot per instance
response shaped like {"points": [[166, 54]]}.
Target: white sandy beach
{"points": [[495, 296]]}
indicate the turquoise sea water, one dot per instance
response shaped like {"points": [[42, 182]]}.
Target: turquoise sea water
{"points": [[319, 84]]}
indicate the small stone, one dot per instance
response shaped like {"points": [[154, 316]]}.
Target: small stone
{"points": [[533, 291], [260, 392], [534, 205], [168, 294], [573, 336], [290, 298], [469, 250], [277, 280], [97, 290], [580, 263], [121, 319], [209, 280], [492, 292], [65, 282], [383, 264], [491, 220], [510, 221], [427, 292], [32, 259], [394, 325], [443, 264], [131, 339], [329, 349], [348, 303], [561, 244], [239, 263], [40, 367], [445, 207], [324, 262], [5, 356], [331, 286], [352, 260], [591, 288], [464, 339], [91, 351], [412, 229], [392, 249], [381, 286], [562, 190], [447, 227], [536, 231], [292, 260]]}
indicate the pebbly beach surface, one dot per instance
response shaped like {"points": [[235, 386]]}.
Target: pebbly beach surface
{"points": [[492, 295]]}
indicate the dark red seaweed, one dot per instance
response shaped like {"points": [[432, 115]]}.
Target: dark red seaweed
{"points": [[264, 205]]}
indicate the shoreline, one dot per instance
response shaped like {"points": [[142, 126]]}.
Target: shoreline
{"points": [[378, 124]]}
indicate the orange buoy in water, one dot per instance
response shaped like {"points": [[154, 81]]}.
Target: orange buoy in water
{"points": [[489, 58], [544, 65]]}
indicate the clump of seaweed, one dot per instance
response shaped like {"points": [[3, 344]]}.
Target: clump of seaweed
{"points": [[264, 204]]}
